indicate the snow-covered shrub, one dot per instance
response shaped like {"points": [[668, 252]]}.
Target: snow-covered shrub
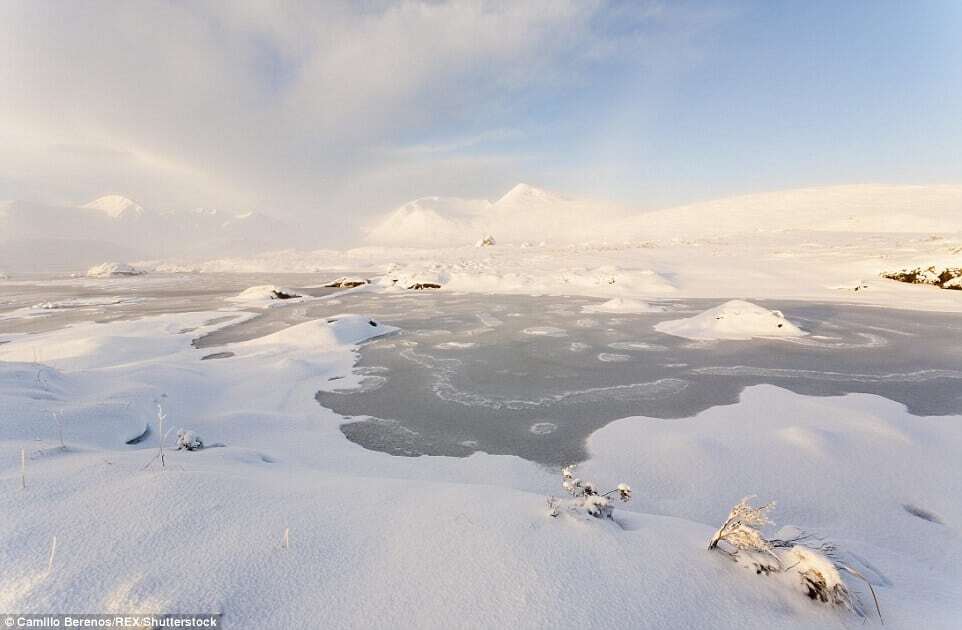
{"points": [[740, 532], [189, 441], [585, 499], [805, 562], [819, 578]]}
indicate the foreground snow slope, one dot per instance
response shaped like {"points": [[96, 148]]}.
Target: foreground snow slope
{"points": [[435, 542]]}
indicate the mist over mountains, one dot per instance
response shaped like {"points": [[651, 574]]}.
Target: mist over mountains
{"points": [[38, 237]]}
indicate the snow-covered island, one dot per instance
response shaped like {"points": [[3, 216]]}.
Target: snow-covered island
{"points": [[114, 270]]}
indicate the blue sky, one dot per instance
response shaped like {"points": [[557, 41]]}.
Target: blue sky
{"points": [[772, 97], [329, 113]]}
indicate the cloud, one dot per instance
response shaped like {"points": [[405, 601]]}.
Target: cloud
{"points": [[306, 110]]}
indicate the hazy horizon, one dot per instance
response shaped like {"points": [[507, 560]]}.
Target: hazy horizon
{"points": [[330, 116]]}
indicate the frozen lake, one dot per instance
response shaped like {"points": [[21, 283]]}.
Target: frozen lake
{"points": [[532, 376]]}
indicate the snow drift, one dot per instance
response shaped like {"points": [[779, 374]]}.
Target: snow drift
{"points": [[734, 320], [622, 305], [264, 293]]}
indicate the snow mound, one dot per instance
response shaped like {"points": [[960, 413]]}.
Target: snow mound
{"points": [[264, 293], [115, 206], [113, 270], [734, 320], [330, 334], [622, 305], [416, 276]]}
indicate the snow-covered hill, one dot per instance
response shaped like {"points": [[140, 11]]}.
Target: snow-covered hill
{"points": [[863, 208], [531, 214], [428, 221]]}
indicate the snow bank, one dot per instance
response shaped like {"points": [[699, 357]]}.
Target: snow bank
{"points": [[622, 305], [264, 293], [415, 276], [82, 303], [113, 270], [735, 320]]}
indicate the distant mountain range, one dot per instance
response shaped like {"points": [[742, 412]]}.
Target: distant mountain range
{"points": [[531, 214], [523, 213], [42, 237]]}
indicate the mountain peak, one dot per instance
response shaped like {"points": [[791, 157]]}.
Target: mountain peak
{"points": [[115, 206], [526, 193]]}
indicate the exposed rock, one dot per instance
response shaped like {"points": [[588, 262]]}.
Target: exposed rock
{"points": [[347, 282], [418, 286], [945, 278]]}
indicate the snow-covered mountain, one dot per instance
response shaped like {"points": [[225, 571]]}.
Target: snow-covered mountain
{"points": [[527, 213], [116, 207], [77, 237], [524, 213], [428, 221]]}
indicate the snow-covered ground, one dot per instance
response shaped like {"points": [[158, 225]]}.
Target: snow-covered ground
{"points": [[280, 521]]}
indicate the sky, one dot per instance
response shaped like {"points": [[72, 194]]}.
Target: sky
{"points": [[327, 114]]}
